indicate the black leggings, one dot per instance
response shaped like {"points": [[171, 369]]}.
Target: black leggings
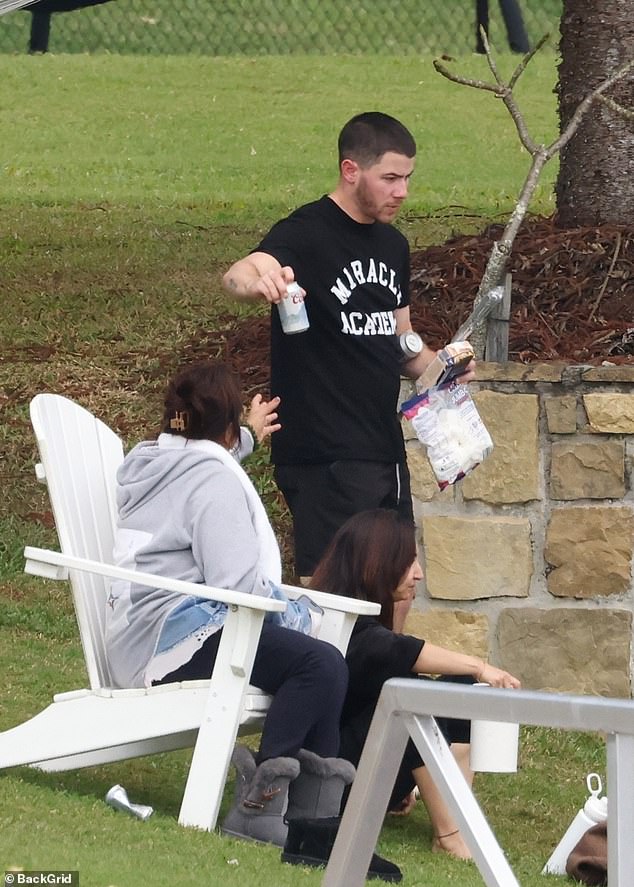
{"points": [[308, 680]]}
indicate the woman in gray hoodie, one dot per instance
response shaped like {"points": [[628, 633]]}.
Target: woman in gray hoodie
{"points": [[187, 510]]}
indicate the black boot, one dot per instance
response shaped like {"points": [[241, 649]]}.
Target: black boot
{"points": [[314, 802], [310, 842]]}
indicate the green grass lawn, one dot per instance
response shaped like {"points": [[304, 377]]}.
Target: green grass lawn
{"points": [[223, 139], [127, 185]]}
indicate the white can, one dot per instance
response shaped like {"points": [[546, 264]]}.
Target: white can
{"points": [[292, 309]]}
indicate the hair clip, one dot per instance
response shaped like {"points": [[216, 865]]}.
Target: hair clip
{"points": [[180, 421]]}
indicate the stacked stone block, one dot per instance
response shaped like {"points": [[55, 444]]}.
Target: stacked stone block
{"points": [[528, 560]]}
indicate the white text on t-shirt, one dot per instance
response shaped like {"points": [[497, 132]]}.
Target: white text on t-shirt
{"points": [[378, 323], [356, 274]]}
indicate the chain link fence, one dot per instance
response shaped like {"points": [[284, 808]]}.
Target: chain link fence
{"points": [[273, 27]]}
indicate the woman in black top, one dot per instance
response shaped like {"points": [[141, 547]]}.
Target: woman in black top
{"points": [[373, 557]]}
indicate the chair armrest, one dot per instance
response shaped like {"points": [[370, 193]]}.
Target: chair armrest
{"points": [[333, 601], [340, 613], [39, 562]]}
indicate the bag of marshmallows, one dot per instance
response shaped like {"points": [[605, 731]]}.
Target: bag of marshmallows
{"points": [[447, 423]]}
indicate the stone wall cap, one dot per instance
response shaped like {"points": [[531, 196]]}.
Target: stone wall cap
{"points": [[555, 371], [609, 373], [511, 371]]}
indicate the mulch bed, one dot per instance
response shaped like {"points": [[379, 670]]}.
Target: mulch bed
{"points": [[572, 292], [573, 299]]}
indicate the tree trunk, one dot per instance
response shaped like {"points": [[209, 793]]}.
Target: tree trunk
{"points": [[595, 184]]}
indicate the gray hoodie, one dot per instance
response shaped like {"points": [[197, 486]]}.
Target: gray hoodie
{"points": [[185, 514]]}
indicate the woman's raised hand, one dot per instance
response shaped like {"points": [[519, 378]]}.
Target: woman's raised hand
{"points": [[496, 677], [262, 416]]}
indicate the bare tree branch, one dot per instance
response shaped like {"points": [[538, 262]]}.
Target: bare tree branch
{"points": [[464, 81], [628, 113], [615, 256], [490, 59], [540, 155], [517, 73], [575, 120]]}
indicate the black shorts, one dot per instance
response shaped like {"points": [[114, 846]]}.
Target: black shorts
{"points": [[322, 497]]}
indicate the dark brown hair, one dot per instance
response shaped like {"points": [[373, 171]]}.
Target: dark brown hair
{"points": [[367, 137], [367, 558], [203, 402]]}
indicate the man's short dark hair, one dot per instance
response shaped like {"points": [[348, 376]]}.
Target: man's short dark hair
{"points": [[367, 137]]}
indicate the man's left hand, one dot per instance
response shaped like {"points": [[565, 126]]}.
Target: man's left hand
{"points": [[469, 373]]}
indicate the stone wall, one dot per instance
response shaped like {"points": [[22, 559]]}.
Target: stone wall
{"points": [[528, 560]]}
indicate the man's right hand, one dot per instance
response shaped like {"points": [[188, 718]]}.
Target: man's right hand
{"points": [[272, 284], [258, 276]]}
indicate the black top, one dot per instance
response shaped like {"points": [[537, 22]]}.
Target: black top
{"points": [[374, 655], [339, 380]]}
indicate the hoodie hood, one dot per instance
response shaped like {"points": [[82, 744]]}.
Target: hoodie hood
{"points": [[153, 464]]}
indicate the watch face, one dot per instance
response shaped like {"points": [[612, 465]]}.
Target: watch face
{"points": [[411, 343]]}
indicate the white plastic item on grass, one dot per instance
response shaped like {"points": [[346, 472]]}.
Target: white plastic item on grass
{"points": [[594, 810]]}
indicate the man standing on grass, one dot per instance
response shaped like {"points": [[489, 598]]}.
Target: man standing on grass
{"points": [[340, 449]]}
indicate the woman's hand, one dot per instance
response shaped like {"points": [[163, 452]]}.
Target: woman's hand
{"points": [[405, 807], [262, 416], [498, 678]]}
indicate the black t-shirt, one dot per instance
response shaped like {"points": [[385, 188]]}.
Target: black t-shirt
{"points": [[339, 380], [374, 655]]}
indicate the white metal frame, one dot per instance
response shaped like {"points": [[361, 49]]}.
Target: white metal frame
{"points": [[403, 711]]}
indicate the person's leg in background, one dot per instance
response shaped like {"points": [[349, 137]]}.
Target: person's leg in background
{"points": [[40, 30], [412, 772], [322, 497], [446, 834], [513, 22], [482, 21], [457, 732], [447, 837]]}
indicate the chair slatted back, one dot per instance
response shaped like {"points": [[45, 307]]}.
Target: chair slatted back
{"points": [[80, 456]]}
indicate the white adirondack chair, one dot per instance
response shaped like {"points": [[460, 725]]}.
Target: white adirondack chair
{"points": [[80, 456]]}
